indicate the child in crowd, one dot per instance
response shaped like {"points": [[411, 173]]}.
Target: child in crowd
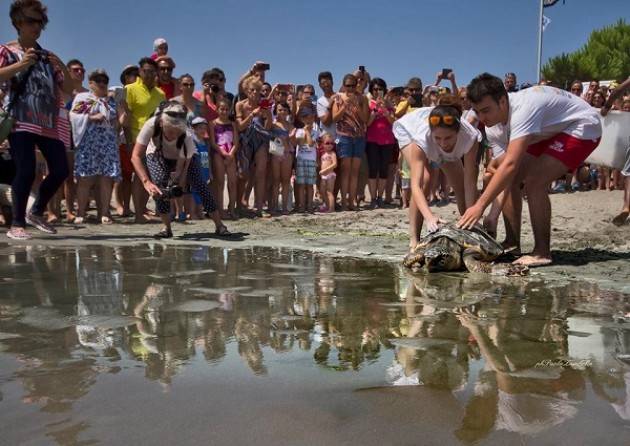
{"points": [[200, 131], [306, 164], [405, 181], [327, 173], [281, 148], [160, 48], [224, 142]]}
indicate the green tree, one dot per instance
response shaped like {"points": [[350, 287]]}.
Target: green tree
{"points": [[606, 55]]}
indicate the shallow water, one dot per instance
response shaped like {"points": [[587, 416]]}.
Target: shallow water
{"points": [[151, 344]]}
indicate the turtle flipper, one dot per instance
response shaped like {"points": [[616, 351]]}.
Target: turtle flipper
{"points": [[509, 269], [414, 259], [470, 257]]}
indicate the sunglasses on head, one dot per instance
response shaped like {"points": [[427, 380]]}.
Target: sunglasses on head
{"points": [[179, 115], [447, 120]]}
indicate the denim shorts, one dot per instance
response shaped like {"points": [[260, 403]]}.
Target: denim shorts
{"points": [[349, 147]]}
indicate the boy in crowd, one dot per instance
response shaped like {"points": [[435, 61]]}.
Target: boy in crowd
{"points": [[546, 132]]}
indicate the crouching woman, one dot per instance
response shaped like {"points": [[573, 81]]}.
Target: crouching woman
{"points": [[438, 137], [169, 150]]}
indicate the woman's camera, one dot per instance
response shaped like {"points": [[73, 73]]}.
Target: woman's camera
{"points": [[172, 190]]}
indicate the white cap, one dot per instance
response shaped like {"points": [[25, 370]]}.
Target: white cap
{"points": [[199, 120], [159, 41]]}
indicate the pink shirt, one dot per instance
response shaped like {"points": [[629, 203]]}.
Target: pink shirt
{"points": [[380, 131]]}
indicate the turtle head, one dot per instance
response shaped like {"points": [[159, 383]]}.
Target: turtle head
{"points": [[444, 255]]}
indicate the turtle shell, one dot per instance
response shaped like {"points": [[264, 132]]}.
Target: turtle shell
{"points": [[475, 238]]}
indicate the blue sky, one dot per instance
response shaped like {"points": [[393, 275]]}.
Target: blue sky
{"points": [[394, 40]]}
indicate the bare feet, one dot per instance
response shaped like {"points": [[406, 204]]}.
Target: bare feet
{"points": [[70, 217], [533, 261], [621, 218], [52, 219]]}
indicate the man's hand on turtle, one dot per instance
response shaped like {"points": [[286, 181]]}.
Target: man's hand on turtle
{"points": [[470, 217]]}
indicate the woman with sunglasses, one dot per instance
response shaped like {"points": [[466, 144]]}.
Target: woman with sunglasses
{"points": [[196, 108], [439, 135], [350, 112], [169, 149], [37, 79], [95, 125]]}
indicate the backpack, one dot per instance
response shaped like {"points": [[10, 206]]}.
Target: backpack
{"points": [[157, 129]]}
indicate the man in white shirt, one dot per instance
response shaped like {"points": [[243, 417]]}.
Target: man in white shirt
{"points": [[547, 132]]}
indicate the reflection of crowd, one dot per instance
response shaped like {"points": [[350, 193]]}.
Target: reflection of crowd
{"points": [[449, 333]]}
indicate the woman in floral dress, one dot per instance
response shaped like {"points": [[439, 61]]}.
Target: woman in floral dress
{"points": [[94, 128]]}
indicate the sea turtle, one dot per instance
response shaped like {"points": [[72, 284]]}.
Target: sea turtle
{"points": [[451, 248]]}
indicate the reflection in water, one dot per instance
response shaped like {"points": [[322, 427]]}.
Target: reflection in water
{"points": [[507, 351]]}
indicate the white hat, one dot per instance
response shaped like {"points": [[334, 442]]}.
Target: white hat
{"points": [[159, 41], [199, 120]]}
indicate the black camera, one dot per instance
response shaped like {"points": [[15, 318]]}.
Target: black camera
{"points": [[172, 190], [214, 88], [42, 55]]}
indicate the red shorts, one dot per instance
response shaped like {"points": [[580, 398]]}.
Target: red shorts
{"points": [[125, 162], [567, 149]]}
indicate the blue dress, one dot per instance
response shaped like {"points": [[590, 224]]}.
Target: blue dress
{"points": [[97, 153]]}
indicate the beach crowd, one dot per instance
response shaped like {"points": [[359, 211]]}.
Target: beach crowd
{"points": [[264, 150]]}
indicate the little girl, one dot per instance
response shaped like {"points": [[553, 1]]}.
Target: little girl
{"points": [[224, 142], [282, 163], [306, 159], [327, 173]]}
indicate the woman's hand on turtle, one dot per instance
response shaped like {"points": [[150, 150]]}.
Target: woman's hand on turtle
{"points": [[433, 223], [470, 217]]}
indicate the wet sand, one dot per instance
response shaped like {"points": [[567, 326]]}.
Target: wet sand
{"points": [[585, 244]]}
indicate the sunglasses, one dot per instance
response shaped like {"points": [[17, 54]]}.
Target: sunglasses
{"points": [[78, 70], [33, 21], [414, 89], [187, 84], [169, 69], [350, 85], [179, 115], [447, 120]]}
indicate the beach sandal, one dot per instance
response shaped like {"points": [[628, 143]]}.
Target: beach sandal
{"points": [[164, 233], [18, 234], [222, 231], [40, 223], [106, 220]]}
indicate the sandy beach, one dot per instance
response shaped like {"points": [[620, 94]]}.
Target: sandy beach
{"points": [[585, 244]]}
